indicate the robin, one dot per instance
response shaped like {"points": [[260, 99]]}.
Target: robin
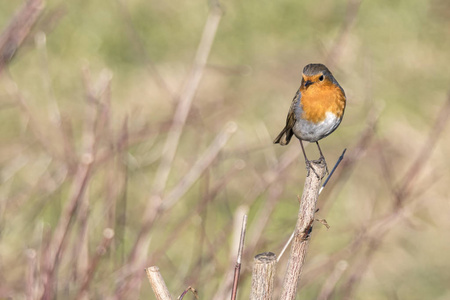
{"points": [[316, 110]]}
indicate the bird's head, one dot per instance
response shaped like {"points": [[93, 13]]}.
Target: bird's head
{"points": [[316, 76]]}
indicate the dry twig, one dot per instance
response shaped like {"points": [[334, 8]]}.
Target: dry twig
{"points": [[303, 230], [158, 285]]}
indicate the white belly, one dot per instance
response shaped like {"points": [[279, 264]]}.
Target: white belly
{"points": [[312, 132]]}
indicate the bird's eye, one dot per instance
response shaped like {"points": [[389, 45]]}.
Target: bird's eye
{"points": [[321, 78]]}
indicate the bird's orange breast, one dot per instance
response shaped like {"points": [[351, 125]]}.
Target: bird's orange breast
{"points": [[318, 99]]}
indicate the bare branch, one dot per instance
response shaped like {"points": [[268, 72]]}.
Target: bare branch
{"points": [[187, 95], [200, 166], [303, 230], [158, 285]]}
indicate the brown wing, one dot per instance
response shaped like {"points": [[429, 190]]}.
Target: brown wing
{"points": [[286, 134]]}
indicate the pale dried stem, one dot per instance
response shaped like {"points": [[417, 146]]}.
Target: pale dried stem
{"points": [[330, 284], [183, 186], [35, 126], [359, 269], [152, 210], [303, 229], [18, 29], [31, 274], [158, 285], [263, 216], [199, 167], [291, 237], [186, 96], [182, 224], [53, 107], [263, 275]]}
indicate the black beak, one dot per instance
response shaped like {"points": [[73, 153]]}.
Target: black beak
{"points": [[308, 83]]}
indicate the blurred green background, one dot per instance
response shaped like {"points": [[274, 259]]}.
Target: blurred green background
{"points": [[391, 57]]}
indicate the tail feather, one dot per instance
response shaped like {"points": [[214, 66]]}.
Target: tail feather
{"points": [[284, 137]]}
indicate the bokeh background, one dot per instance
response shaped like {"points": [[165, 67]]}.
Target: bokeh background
{"points": [[90, 110]]}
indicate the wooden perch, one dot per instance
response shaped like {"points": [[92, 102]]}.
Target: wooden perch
{"points": [[264, 266], [303, 229], [158, 285]]}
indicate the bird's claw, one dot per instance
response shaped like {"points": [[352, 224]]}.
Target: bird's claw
{"points": [[309, 167], [322, 158]]}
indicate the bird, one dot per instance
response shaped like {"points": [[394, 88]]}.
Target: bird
{"points": [[316, 110]]}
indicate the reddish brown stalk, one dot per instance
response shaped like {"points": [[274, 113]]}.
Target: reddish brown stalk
{"points": [[237, 269], [108, 235], [192, 290], [81, 179], [120, 211]]}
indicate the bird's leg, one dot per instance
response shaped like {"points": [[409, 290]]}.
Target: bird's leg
{"points": [[307, 162], [322, 157]]}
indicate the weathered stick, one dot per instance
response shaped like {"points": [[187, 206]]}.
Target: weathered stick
{"points": [[303, 229], [264, 267], [321, 189], [158, 285]]}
